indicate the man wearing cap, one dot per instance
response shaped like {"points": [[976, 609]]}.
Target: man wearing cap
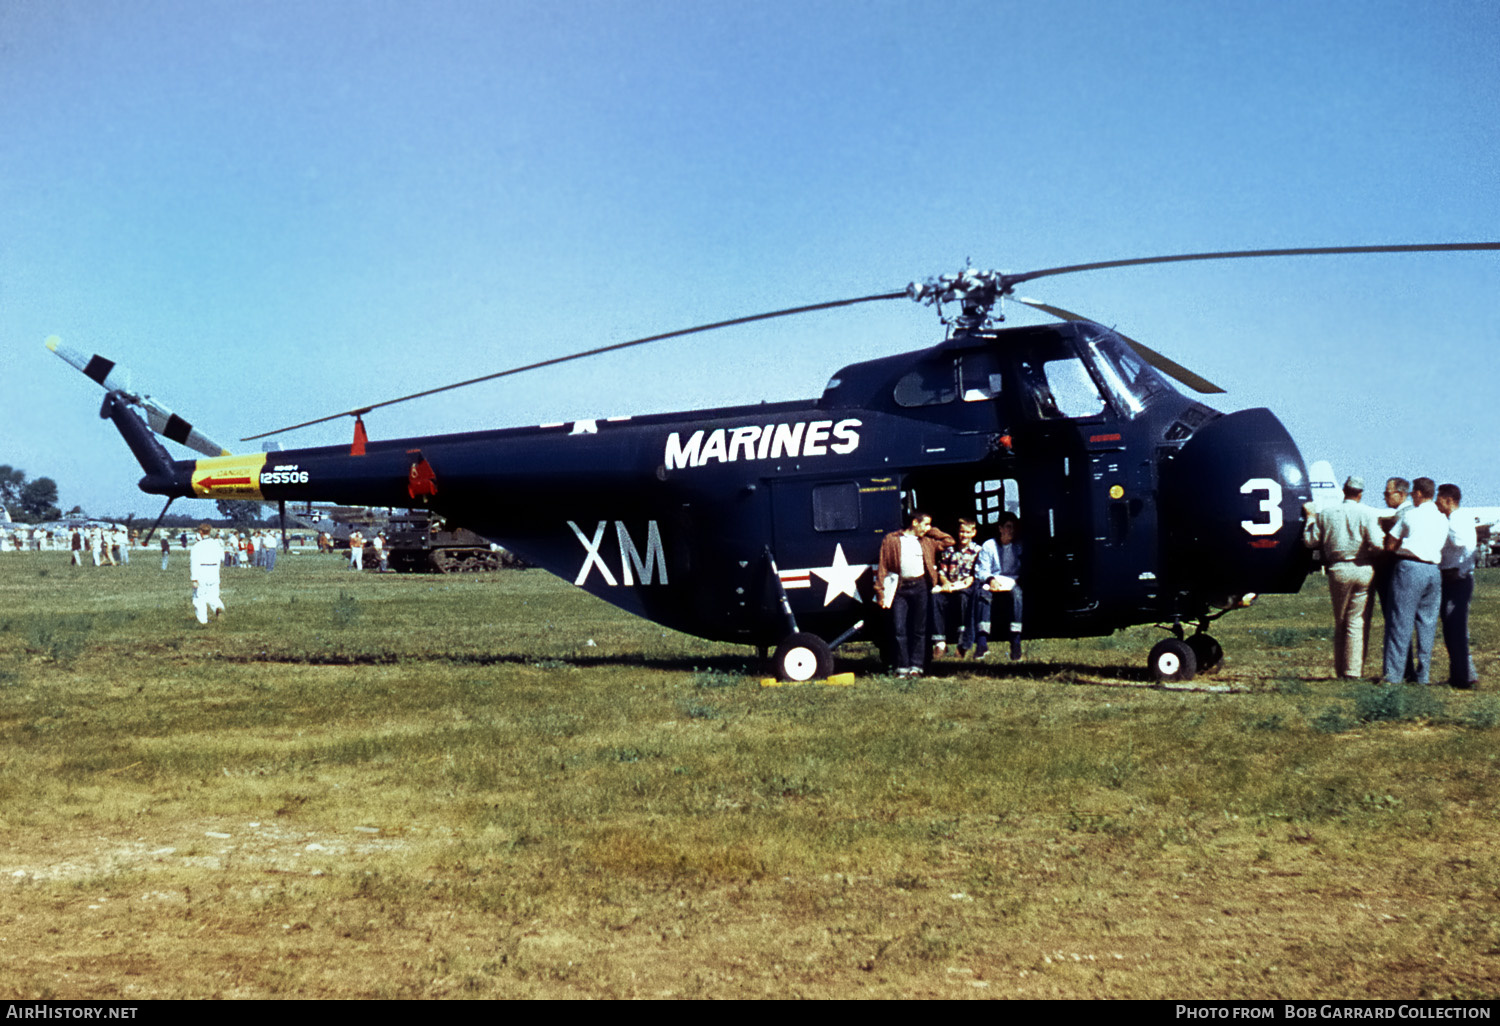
{"points": [[1348, 537], [204, 560], [1416, 539]]}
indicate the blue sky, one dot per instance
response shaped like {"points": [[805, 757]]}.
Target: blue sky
{"points": [[272, 211]]}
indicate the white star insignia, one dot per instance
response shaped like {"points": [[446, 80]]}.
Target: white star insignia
{"points": [[841, 576]]}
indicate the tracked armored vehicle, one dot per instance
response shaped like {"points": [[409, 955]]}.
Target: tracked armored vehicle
{"points": [[420, 542]]}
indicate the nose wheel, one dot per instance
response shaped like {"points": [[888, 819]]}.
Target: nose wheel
{"points": [[1174, 660]]}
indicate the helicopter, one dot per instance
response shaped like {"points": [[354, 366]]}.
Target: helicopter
{"points": [[761, 524]]}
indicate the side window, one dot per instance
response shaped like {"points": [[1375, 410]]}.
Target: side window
{"points": [[836, 506], [979, 376], [992, 498], [929, 384]]}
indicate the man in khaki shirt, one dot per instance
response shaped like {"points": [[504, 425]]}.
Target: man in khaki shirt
{"points": [[1348, 536]]}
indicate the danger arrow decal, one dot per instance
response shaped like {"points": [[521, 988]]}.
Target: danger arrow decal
{"points": [[229, 477]]}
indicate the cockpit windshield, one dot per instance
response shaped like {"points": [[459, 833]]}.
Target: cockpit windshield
{"points": [[1132, 383]]}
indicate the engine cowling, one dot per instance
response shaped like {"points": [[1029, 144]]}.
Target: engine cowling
{"points": [[1232, 509]]}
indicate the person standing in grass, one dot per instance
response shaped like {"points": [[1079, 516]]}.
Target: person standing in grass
{"points": [[204, 560], [1457, 568], [907, 576], [1416, 540], [1348, 537]]}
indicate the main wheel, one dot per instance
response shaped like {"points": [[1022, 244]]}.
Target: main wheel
{"points": [[802, 657], [1209, 653], [1172, 661]]}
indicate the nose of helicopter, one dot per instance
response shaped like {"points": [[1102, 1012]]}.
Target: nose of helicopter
{"points": [[1232, 516]]}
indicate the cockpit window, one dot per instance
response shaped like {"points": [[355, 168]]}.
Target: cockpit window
{"points": [[930, 384], [1131, 381], [1060, 389]]}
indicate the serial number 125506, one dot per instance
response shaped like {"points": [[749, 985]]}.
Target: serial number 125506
{"points": [[284, 477]]}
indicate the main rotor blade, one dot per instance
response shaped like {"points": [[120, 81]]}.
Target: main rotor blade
{"points": [[588, 352], [1435, 247], [1169, 367], [992, 284]]}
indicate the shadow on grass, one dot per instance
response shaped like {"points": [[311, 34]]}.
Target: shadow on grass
{"points": [[687, 663], [749, 664]]}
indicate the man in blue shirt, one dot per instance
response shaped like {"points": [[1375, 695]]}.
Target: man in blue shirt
{"points": [[998, 571]]}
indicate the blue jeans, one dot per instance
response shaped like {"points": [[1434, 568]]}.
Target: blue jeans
{"points": [[1458, 592], [1000, 603], [1415, 597], [909, 623], [950, 608]]}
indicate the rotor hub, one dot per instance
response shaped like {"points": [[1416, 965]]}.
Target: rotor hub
{"points": [[978, 294]]}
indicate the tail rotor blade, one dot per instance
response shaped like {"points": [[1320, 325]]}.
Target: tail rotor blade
{"points": [[115, 378], [105, 372], [170, 426]]}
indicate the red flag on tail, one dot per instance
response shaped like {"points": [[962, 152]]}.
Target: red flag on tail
{"points": [[422, 479]]}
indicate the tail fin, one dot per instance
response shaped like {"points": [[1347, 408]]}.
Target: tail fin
{"points": [[1325, 486], [162, 474]]}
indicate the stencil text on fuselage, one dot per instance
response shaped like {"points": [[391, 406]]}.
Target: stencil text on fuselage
{"points": [[762, 442]]}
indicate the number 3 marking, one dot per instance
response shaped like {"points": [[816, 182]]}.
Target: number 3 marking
{"points": [[1270, 505]]}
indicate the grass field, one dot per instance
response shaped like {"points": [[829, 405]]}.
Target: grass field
{"points": [[496, 786]]}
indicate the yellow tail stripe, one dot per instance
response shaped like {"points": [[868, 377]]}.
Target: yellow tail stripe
{"points": [[229, 477]]}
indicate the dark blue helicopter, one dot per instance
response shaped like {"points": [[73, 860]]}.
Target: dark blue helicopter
{"points": [[762, 523]]}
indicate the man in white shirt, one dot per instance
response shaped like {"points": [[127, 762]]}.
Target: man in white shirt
{"points": [[1416, 539], [906, 575], [204, 560], [1457, 568]]}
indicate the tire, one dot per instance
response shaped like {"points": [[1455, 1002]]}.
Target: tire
{"points": [[803, 657], [1173, 661], [1210, 653]]}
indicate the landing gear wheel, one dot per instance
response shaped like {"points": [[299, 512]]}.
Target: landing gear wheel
{"points": [[803, 657], [1210, 653], [1173, 661]]}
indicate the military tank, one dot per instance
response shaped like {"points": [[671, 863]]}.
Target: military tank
{"points": [[421, 542]]}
